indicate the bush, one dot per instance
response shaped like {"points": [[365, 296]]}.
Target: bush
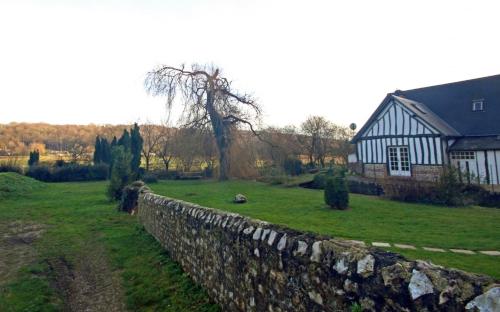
{"points": [[409, 190], [69, 173], [475, 194], [130, 195], [11, 168], [450, 188], [366, 188], [150, 177], [292, 166], [121, 173], [336, 192]]}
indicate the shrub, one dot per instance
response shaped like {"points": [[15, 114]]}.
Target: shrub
{"points": [[450, 188], [121, 172], [68, 173], [150, 177], [11, 168], [366, 188], [409, 190], [475, 194], [336, 193], [292, 166], [130, 195]]}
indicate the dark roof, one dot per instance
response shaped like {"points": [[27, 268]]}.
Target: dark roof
{"points": [[428, 115], [476, 143], [452, 102]]}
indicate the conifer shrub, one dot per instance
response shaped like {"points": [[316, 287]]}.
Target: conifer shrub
{"points": [[336, 192], [130, 196], [121, 173]]}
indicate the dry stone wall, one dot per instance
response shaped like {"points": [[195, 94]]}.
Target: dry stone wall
{"points": [[251, 265]]}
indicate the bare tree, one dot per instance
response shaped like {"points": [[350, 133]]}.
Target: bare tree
{"points": [[209, 100], [151, 135], [318, 136], [165, 148]]}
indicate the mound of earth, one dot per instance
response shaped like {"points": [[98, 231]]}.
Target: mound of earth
{"points": [[12, 183]]}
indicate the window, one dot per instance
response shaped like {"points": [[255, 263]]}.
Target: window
{"points": [[477, 105], [399, 161], [463, 155]]}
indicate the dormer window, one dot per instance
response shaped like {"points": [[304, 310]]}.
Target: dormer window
{"points": [[477, 105]]}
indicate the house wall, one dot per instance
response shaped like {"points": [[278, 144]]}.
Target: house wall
{"points": [[418, 172], [250, 265], [397, 126], [484, 168]]}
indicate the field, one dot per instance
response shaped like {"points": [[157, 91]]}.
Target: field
{"points": [[67, 236], [64, 246], [369, 219]]}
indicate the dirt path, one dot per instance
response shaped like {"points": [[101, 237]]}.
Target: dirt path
{"points": [[89, 284], [16, 247]]}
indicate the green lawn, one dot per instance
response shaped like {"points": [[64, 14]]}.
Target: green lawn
{"points": [[368, 219], [79, 224]]}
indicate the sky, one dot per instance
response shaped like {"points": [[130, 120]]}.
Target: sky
{"points": [[80, 62]]}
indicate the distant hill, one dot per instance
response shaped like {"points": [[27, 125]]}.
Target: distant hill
{"points": [[20, 138]]}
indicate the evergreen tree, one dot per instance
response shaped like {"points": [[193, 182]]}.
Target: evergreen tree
{"points": [[136, 142], [105, 151], [114, 142], [34, 158], [336, 193], [125, 140], [121, 174], [97, 150]]}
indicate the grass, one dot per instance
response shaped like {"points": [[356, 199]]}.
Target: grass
{"points": [[77, 217], [369, 219], [12, 184]]}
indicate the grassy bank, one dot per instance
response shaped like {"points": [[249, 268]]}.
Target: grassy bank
{"points": [[85, 237], [368, 219]]}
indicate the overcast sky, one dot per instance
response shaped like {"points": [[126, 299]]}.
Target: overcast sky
{"points": [[85, 61]]}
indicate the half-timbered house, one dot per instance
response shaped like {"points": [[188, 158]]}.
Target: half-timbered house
{"points": [[415, 133]]}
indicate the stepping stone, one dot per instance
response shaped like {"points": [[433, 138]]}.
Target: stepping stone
{"points": [[490, 252], [434, 249], [463, 251], [380, 244], [404, 246]]}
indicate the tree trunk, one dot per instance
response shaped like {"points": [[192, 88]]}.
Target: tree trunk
{"points": [[222, 133]]}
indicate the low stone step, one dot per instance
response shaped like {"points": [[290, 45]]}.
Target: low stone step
{"points": [[433, 249], [490, 252], [381, 244], [404, 246], [463, 251]]}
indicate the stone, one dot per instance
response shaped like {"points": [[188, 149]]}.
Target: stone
{"points": [[301, 248], [272, 237], [433, 249], [489, 301], [350, 286], [340, 266], [366, 266], [264, 234], [380, 244], [282, 243], [257, 234], [240, 199], [316, 252], [248, 230], [316, 297], [463, 251], [256, 252], [419, 285], [490, 252], [404, 246]]}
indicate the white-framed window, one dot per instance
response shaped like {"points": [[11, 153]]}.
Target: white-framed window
{"points": [[463, 155], [477, 105], [399, 161]]}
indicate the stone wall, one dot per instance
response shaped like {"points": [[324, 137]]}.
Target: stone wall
{"points": [[426, 173], [251, 265], [377, 171]]}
